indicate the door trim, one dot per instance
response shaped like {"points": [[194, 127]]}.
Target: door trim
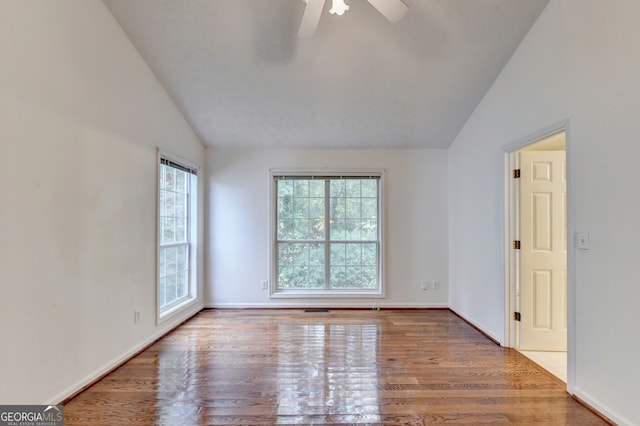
{"points": [[510, 233]]}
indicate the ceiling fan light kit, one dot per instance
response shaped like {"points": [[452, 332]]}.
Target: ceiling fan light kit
{"points": [[338, 7], [393, 10]]}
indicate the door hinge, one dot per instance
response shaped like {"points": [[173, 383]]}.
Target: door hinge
{"points": [[516, 316], [516, 173], [516, 245]]}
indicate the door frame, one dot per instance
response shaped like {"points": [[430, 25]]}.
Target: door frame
{"points": [[511, 234]]}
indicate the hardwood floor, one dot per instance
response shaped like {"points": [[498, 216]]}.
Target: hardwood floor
{"points": [[343, 367]]}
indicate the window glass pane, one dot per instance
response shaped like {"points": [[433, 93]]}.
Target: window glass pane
{"points": [[285, 188], [337, 208], [317, 229], [338, 254], [301, 229], [369, 277], [337, 188], [353, 277], [171, 288], [369, 228], [172, 266], [181, 181], [181, 230], [301, 188], [316, 188], [352, 188], [181, 205], [181, 258], [181, 284], [285, 229], [168, 229], [369, 254], [352, 228], [353, 207], [285, 257], [338, 276], [338, 231], [369, 208], [301, 216], [285, 207], [301, 255], [316, 277], [369, 187], [316, 255], [285, 278], [170, 178], [316, 208], [353, 254], [170, 203]]}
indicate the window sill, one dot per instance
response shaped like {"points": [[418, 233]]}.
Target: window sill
{"points": [[176, 310]]}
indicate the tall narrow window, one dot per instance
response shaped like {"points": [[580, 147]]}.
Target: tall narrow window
{"points": [[327, 234], [176, 235]]}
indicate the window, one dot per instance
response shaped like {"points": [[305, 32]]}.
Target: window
{"points": [[327, 234], [176, 236]]}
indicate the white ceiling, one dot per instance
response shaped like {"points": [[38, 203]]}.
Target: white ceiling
{"points": [[243, 79]]}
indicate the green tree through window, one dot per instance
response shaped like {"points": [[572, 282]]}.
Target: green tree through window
{"points": [[327, 235]]}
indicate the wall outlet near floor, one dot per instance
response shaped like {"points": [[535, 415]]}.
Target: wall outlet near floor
{"points": [[436, 284], [265, 284], [424, 285], [136, 317]]}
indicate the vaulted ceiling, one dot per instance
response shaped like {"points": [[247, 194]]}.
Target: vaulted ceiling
{"points": [[242, 77]]}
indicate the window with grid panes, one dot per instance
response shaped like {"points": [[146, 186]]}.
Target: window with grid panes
{"points": [[175, 235], [327, 234]]}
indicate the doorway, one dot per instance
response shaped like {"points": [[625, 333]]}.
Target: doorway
{"points": [[538, 258]]}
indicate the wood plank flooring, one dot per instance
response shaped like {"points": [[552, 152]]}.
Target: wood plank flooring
{"points": [[409, 367]]}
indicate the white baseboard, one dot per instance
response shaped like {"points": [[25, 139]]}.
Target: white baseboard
{"points": [[335, 305], [479, 327], [595, 405], [89, 379]]}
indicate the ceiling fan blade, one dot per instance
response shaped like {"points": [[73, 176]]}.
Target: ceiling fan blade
{"points": [[393, 10], [310, 18]]}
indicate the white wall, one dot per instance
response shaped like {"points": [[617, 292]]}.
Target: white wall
{"points": [[579, 62], [80, 118], [238, 218]]}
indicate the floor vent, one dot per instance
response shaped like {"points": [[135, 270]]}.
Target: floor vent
{"points": [[315, 311]]}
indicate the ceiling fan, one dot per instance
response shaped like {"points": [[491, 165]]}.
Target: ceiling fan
{"points": [[393, 10]]}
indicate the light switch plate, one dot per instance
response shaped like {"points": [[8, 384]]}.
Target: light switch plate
{"points": [[582, 241]]}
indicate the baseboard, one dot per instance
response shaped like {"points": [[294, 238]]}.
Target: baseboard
{"points": [[479, 329], [345, 305], [83, 384], [598, 409]]}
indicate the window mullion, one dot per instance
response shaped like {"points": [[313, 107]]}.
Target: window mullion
{"points": [[327, 233]]}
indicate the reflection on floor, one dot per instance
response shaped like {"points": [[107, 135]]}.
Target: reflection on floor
{"points": [[553, 362]]}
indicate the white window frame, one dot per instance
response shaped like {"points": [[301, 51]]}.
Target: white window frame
{"points": [[274, 292], [178, 306]]}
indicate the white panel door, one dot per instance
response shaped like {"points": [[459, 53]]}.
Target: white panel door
{"points": [[543, 251]]}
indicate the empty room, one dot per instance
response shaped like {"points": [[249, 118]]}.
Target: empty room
{"points": [[319, 212]]}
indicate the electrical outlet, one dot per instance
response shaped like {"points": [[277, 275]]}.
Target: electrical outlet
{"points": [[436, 284], [265, 284], [424, 285], [136, 317]]}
